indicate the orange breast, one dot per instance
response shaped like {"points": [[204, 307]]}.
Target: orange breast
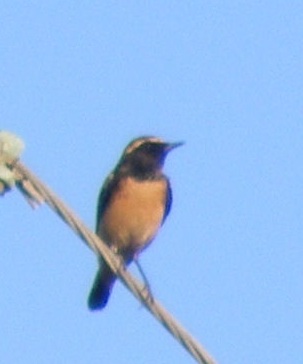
{"points": [[134, 215]]}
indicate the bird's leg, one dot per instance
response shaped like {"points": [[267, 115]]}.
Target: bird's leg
{"points": [[119, 256], [144, 277]]}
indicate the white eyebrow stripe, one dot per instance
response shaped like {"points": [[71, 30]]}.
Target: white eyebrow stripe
{"points": [[136, 144]]}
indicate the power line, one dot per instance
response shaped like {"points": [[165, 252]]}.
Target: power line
{"points": [[36, 193]]}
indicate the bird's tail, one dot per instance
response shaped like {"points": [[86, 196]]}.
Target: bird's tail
{"points": [[102, 287]]}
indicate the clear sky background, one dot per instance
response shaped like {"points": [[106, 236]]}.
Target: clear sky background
{"points": [[78, 82]]}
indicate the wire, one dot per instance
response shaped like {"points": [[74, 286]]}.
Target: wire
{"points": [[36, 192]]}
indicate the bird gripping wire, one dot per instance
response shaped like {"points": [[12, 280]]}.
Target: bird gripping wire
{"points": [[35, 192]]}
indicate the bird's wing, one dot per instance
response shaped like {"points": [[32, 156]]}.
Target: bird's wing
{"points": [[168, 201], [104, 196]]}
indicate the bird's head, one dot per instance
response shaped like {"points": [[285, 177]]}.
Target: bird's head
{"points": [[145, 156]]}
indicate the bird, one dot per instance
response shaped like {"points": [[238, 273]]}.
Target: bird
{"points": [[133, 203]]}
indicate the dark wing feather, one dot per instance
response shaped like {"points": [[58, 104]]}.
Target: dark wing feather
{"points": [[105, 196], [168, 201]]}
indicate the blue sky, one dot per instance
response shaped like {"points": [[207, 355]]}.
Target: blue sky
{"points": [[78, 82]]}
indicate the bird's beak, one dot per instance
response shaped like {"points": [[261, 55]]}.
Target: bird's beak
{"points": [[171, 146]]}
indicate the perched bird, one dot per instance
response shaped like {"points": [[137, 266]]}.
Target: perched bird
{"points": [[133, 204]]}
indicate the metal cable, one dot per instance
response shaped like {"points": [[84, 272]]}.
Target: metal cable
{"points": [[36, 193]]}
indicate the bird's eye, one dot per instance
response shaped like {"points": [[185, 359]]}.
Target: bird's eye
{"points": [[151, 148]]}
